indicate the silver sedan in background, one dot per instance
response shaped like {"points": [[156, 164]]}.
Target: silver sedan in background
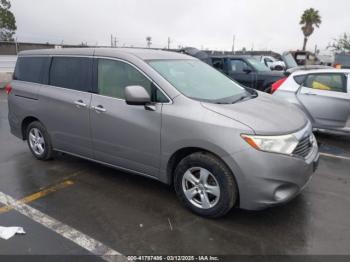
{"points": [[323, 94]]}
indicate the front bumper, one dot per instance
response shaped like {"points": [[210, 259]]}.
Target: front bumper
{"points": [[267, 179]]}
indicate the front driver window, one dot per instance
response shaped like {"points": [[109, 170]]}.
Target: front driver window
{"points": [[238, 66], [114, 76], [328, 82]]}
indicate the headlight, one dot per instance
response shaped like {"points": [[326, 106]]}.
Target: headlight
{"points": [[278, 144]]}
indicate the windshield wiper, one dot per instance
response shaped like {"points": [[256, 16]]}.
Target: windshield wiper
{"points": [[251, 95]]}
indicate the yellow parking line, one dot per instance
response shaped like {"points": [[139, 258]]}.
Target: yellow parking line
{"points": [[39, 194]]}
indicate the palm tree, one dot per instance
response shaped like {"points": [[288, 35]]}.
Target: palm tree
{"points": [[309, 18]]}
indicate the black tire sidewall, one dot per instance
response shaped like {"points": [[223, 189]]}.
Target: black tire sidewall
{"points": [[48, 148], [228, 190]]}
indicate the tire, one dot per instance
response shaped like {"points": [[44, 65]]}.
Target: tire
{"points": [[40, 146], [205, 165]]}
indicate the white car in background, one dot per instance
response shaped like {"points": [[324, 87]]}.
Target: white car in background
{"points": [[323, 94], [272, 63]]}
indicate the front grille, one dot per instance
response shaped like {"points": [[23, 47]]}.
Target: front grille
{"points": [[303, 148]]}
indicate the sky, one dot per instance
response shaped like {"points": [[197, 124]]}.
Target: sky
{"points": [[204, 24]]}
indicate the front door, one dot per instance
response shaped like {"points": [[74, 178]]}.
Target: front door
{"points": [[124, 135], [326, 98]]}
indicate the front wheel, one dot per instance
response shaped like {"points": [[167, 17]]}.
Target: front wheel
{"points": [[205, 185], [39, 141]]}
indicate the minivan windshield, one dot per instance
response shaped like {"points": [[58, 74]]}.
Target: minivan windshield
{"points": [[200, 81]]}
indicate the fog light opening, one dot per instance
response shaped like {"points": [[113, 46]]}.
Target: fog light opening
{"points": [[285, 192]]}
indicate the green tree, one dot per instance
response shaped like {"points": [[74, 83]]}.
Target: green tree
{"points": [[309, 18], [341, 44], [7, 21]]}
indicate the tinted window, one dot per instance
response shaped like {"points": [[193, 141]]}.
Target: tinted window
{"points": [[299, 79], [71, 72], [218, 64], [30, 69], [328, 82], [114, 76]]}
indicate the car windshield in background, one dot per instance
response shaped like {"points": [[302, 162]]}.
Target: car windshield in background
{"points": [[258, 66], [199, 81]]}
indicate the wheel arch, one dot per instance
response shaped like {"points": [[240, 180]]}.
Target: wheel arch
{"points": [[181, 153], [25, 123]]}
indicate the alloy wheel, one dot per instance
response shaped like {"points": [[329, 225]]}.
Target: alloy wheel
{"points": [[201, 187]]}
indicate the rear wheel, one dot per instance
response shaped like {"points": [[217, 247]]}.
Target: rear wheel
{"points": [[205, 185], [39, 141]]}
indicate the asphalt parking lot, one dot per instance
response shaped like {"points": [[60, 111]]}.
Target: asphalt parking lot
{"points": [[138, 216]]}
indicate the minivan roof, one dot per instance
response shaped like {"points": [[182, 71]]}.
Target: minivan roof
{"points": [[142, 53]]}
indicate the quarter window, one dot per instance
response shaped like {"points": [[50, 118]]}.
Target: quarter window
{"points": [[114, 76], [30, 69], [328, 82], [71, 72], [299, 79]]}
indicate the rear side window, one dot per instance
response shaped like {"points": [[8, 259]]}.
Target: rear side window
{"points": [[327, 81], [31, 69], [71, 72]]}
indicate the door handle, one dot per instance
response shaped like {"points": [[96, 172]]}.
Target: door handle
{"points": [[99, 108], [79, 103], [310, 94]]}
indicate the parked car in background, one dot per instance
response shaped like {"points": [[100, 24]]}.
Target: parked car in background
{"points": [[305, 58], [292, 66], [342, 61], [272, 63], [166, 116], [323, 94], [247, 71]]}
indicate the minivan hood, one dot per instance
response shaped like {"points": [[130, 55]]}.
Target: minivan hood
{"points": [[264, 114]]}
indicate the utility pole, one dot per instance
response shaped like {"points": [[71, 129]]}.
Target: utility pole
{"points": [[113, 41], [233, 44], [169, 41]]}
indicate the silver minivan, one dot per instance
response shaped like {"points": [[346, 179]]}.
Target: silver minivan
{"points": [[166, 116]]}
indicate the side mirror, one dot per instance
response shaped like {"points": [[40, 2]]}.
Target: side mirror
{"points": [[247, 70], [136, 95]]}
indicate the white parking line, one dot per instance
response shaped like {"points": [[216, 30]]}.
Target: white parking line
{"points": [[93, 246], [335, 156]]}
